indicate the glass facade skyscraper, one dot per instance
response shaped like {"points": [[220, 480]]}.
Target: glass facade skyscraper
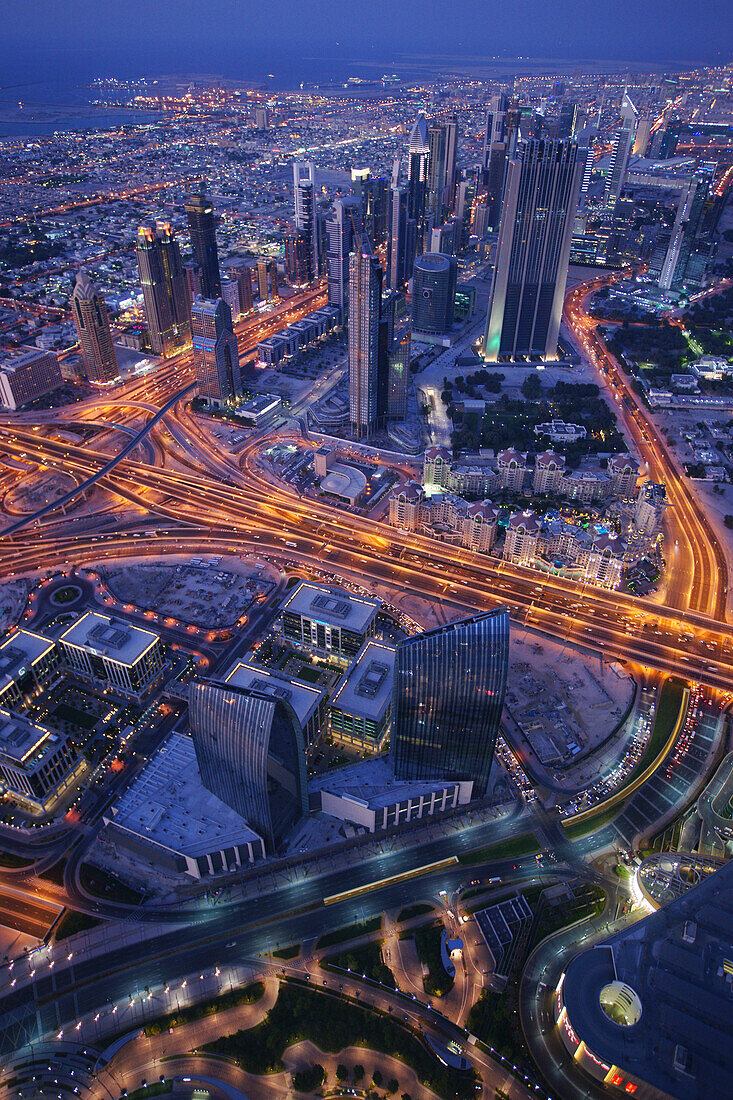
{"points": [[447, 700], [250, 751], [202, 231]]}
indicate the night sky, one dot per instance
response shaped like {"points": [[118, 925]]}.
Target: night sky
{"points": [[75, 39]]}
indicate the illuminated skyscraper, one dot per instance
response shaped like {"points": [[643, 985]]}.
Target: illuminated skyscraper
{"points": [[417, 175], [622, 145], [401, 248], [447, 699], [304, 192], [433, 293], [540, 200], [365, 376], [688, 254], [298, 258], [164, 287], [250, 750], [92, 327], [398, 375], [344, 223], [215, 352], [202, 231]]}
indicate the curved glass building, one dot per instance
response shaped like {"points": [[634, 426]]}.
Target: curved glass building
{"points": [[448, 695], [250, 751]]}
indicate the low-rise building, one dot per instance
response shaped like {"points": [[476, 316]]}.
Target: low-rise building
{"points": [[360, 712], [38, 765], [114, 653], [27, 374], [548, 470], [479, 526], [522, 533], [405, 506], [561, 432], [28, 662], [512, 467], [329, 621], [584, 485]]}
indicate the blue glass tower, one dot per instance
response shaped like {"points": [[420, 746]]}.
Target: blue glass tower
{"points": [[447, 699]]}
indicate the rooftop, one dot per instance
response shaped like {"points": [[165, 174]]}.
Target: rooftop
{"points": [[113, 638], [332, 605], [18, 651], [344, 481], [679, 963], [366, 689], [168, 805], [372, 783], [23, 743], [303, 698]]}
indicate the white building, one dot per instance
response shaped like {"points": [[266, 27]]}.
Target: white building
{"points": [[560, 432], [522, 533], [512, 467], [548, 470], [650, 507], [584, 485], [26, 374], [624, 473]]}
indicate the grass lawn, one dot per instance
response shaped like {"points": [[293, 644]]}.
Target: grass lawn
{"points": [[504, 849], [350, 932]]}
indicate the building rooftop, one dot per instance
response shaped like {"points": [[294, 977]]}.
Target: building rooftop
{"points": [[372, 783], [332, 605], [168, 805], [366, 689], [344, 481], [23, 743], [18, 651], [679, 964], [113, 638], [303, 698], [14, 359]]}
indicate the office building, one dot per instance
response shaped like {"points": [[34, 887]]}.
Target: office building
{"points": [[328, 621], [342, 227], [309, 702], [230, 294], [373, 194], [433, 293], [447, 700], [540, 200], [360, 711], [417, 176], [164, 288], [686, 261], [92, 327], [495, 128], [27, 374], [367, 362], [306, 220], [398, 374], [28, 664], [242, 275], [262, 118], [298, 258], [176, 826], [622, 146], [113, 652], [251, 754], [38, 765], [267, 281], [401, 248], [202, 231], [215, 352], [567, 120]]}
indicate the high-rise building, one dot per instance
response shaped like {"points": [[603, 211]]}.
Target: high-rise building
{"points": [[495, 124], [434, 278], [344, 223], [366, 365], [304, 193], [92, 327], [373, 194], [401, 250], [643, 134], [540, 201], [297, 257], [262, 118], [26, 374], [567, 120], [447, 700], [215, 352], [622, 145], [157, 291], [688, 254], [398, 375], [202, 230], [417, 176], [175, 280], [242, 274], [230, 294], [250, 750]]}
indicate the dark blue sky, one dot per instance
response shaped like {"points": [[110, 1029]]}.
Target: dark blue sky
{"points": [[79, 38]]}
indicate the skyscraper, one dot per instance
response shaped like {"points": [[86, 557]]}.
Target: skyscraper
{"points": [[398, 375], [164, 287], [622, 145], [202, 231], [250, 751], [447, 699], [298, 257], [401, 240], [215, 352], [688, 254], [417, 175], [433, 293], [304, 193], [365, 295], [540, 200], [92, 327], [373, 194], [344, 223], [495, 124]]}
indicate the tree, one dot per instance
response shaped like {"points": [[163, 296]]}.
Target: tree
{"points": [[532, 388]]}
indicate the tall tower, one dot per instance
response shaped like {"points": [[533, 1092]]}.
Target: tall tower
{"points": [[398, 375], [433, 293], [343, 224], [92, 327], [401, 249], [304, 193], [436, 170], [540, 200], [689, 247], [622, 145], [164, 287], [495, 124], [202, 231], [175, 279], [365, 381], [417, 174], [215, 352], [447, 699]]}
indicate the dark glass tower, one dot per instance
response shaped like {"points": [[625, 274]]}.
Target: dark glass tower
{"points": [[250, 751], [215, 352], [202, 231], [537, 219], [433, 292], [343, 224], [447, 699]]}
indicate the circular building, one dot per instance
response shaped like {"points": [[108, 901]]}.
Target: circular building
{"points": [[433, 293]]}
